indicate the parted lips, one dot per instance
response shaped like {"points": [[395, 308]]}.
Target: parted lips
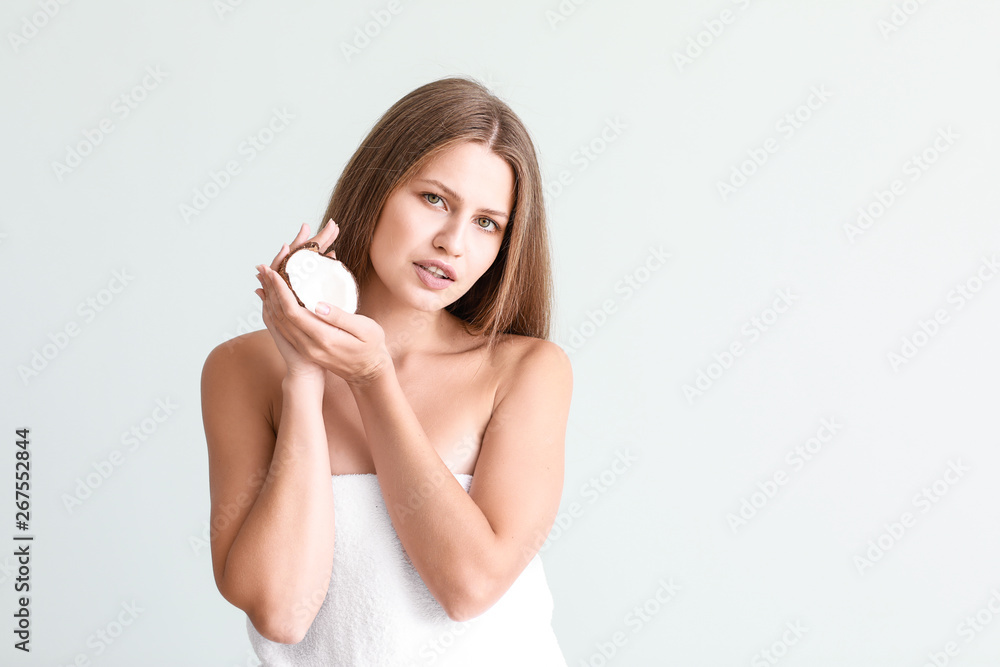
{"points": [[314, 277]]}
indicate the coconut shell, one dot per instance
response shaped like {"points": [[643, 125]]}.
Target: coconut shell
{"points": [[333, 282]]}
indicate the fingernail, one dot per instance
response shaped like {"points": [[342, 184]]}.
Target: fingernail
{"points": [[322, 308]]}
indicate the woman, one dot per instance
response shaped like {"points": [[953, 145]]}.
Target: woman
{"points": [[438, 411]]}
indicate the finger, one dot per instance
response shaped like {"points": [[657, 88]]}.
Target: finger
{"points": [[344, 323], [276, 262], [329, 235], [296, 242], [287, 315], [283, 302], [301, 236]]}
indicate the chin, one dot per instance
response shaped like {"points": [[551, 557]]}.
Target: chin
{"points": [[432, 301]]}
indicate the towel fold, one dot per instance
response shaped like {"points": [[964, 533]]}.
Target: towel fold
{"points": [[379, 613]]}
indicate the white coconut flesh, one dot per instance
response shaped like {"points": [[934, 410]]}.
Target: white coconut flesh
{"points": [[315, 277]]}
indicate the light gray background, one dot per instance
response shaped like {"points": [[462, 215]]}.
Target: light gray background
{"points": [[672, 131]]}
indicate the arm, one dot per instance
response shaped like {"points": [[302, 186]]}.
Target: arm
{"points": [[271, 496], [470, 547]]}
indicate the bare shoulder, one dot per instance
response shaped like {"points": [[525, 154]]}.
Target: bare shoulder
{"points": [[528, 359], [254, 351], [256, 344], [250, 360]]}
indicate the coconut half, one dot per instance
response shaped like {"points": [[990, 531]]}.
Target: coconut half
{"points": [[314, 277]]}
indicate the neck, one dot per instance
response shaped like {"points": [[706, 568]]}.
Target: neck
{"points": [[408, 330]]}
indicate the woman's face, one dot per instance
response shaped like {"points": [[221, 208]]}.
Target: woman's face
{"points": [[455, 211]]}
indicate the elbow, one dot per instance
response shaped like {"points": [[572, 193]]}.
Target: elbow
{"points": [[278, 618], [471, 600], [274, 628], [273, 625], [462, 610]]}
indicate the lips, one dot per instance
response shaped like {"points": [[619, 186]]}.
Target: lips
{"points": [[431, 264]]}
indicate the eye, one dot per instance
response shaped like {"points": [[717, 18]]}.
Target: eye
{"points": [[434, 199], [496, 227]]}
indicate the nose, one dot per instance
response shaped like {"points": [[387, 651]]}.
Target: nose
{"points": [[451, 236]]}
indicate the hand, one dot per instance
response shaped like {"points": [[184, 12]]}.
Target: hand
{"points": [[349, 345], [297, 364]]}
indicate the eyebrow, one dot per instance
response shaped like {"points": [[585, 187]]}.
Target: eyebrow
{"points": [[454, 195]]}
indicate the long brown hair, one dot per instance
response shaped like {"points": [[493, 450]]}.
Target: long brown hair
{"points": [[514, 296]]}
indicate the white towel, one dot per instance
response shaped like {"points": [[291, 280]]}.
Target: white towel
{"points": [[379, 613]]}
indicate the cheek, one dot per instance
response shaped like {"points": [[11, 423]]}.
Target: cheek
{"points": [[486, 260]]}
